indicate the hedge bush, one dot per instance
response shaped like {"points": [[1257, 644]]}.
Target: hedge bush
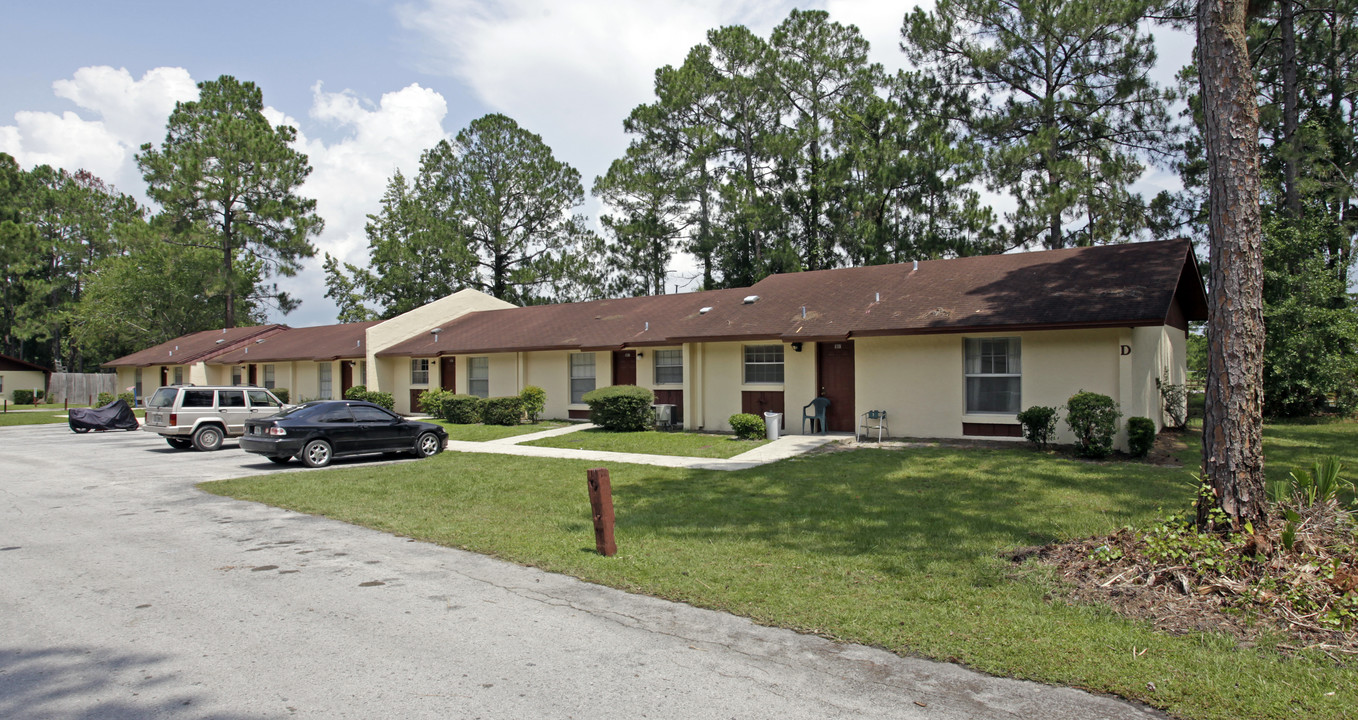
{"points": [[434, 401], [1039, 425], [23, 397], [502, 410], [461, 409], [104, 399], [621, 408], [280, 393], [360, 392], [1094, 420], [747, 426], [534, 401], [1140, 435]]}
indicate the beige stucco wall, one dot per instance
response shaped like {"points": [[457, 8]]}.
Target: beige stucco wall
{"points": [[717, 377], [385, 374], [11, 380], [398, 384], [919, 381]]}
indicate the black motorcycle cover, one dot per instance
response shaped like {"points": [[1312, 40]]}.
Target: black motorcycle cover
{"points": [[113, 416]]}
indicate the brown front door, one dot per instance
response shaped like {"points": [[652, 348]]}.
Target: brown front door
{"points": [[346, 376], [625, 367], [164, 376], [448, 373], [252, 374], [415, 406], [758, 402], [834, 367]]}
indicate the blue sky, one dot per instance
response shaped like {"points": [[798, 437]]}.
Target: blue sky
{"points": [[368, 84]]}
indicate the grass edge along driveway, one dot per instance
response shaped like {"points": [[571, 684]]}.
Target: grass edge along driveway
{"points": [[892, 548]]}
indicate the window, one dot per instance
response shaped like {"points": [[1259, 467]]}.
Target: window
{"points": [[582, 376], [763, 364], [137, 381], [259, 399], [179, 376], [197, 399], [362, 372], [323, 381], [230, 399], [235, 374], [268, 376], [419, 371], [335, 414], [993, 375], [669, 367], [478, 376], [363, 413]]}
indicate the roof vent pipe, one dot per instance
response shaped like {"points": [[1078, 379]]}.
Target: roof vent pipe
{"points": [[916, 265], [648, 325], [877, 296], [803, 312]]}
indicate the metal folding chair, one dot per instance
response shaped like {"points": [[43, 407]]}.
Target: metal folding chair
{"points": [[874, 420]]}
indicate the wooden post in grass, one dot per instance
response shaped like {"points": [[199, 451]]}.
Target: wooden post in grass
{"points": [[601, 504]]}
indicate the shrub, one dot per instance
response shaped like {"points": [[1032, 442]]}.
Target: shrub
{"points": [[281, 393], [1094, 420], [534, 400], [462, 409], [384, 399], [104, 399], [434, 401], [621, 408], [129, 398], [747, 426], [502, 410], [1140, 435], [23, 397], [1039, 425], [1175, 400]]}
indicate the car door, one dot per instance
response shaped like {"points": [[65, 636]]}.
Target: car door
{"points": [[335, 424], [380, 430], [233, 410], [262, 404]]}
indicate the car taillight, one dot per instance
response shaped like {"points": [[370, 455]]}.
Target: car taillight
{"points": [[275, 430], [174, 419]]}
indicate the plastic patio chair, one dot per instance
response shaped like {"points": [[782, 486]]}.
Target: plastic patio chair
{"points": [[819, 404], [874, 420]]}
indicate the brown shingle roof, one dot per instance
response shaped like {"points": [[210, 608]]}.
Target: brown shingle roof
{"points": [[194, 347], [324, 342], [17, 365], [1105, 286]]}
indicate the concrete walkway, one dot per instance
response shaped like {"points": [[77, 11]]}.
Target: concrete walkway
{"points": [[784, 447]]}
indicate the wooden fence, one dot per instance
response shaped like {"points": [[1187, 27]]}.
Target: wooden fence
{"points": [[80, 388]]}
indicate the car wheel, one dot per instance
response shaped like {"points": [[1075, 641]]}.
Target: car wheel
{"points": [[316, 454], [179, 443], [280, 460], [208, 438], [428, 444], [81, 430]]}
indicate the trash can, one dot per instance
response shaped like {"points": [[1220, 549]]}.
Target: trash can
{"points": [[772, 423]]}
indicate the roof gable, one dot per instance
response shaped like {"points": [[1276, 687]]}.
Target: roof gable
{"points": [[195, 347]]}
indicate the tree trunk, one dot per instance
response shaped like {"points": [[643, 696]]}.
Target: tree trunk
{"points": [[1232, 434], [1291, 140]]}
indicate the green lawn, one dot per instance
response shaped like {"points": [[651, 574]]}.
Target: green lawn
{"points": [[893, 548], [52, 415], [651, 442], [482, 433]]}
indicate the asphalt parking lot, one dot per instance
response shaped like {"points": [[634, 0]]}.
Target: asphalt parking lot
{"points": [[128, 593]]}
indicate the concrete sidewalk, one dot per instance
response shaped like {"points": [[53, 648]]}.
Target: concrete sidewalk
{"points": [[780, 449]]}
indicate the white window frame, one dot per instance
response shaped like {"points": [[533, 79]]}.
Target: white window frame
{"points": [[763, 362], [478, 376], [673, 359], [419, 371], [979, 364], [325, 381], [583, 376], [136, 381], [269, 377], [179, 375], [236, 375]]}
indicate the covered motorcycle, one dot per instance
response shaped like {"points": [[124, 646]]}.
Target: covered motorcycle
{"points": [[113, 416]]}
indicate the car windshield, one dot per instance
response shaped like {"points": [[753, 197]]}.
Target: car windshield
{"points": [[164, 397]]}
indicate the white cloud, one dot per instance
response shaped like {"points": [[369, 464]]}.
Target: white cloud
{"points": [[127, 112], [349, 176]]}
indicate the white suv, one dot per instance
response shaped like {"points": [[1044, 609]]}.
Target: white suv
{"points": [[202, 417]]}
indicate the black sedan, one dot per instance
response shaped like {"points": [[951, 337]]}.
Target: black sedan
{"points": [[318, 432]]}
